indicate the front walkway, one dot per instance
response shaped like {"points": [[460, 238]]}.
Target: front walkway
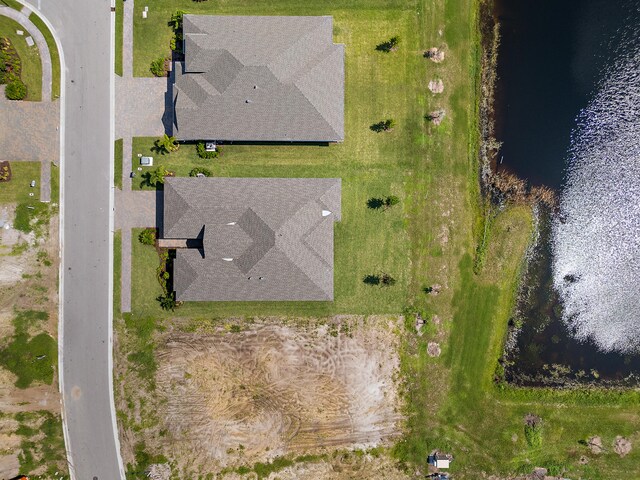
{"points": [[134, 209]]}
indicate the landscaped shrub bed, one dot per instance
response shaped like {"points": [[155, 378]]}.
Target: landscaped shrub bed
{"points": [[5, 171], [10, 69]]}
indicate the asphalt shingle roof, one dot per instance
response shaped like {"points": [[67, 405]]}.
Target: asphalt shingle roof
{"points": [[262, 238], [253, 78]]}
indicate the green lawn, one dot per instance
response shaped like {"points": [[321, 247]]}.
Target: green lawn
{"points": [[452, 402], [29, 56], [17, 190], [117, 165], [11, 4], [53, 51], [30, 358], [119, 27], [117, 268]]}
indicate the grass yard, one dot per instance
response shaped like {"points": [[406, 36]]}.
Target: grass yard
{"points": [[117, 164], [429, 239], [29, 56], [53, 51], [11, 4], [118, 39], [17, 189]]}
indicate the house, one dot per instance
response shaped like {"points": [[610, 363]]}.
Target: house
{"points": [[249, 239], [440, 460], [259, 79]]}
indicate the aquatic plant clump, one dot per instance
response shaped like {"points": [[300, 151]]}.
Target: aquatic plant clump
{"points": [[596, 238]]}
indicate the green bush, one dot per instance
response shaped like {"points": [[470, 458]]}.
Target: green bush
{"points": [[533, 434], [157, 67], [202, 152], [16, 90], [147, 236], [205, 171]]}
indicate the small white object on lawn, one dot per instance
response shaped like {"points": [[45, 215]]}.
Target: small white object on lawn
{"points": [[144, 14], [30, 41], [19, 32]]}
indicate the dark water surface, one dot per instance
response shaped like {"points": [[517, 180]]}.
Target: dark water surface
{"points": [[551, 58]]}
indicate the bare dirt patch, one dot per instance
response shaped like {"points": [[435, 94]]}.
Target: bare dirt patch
{"points": [[231, 398]]}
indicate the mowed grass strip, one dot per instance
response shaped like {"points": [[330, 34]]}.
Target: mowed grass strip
{"points": [[17, 189], [31, 73], [119, 36], [53, 51]]}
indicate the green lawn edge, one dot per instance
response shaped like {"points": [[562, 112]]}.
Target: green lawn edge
{"points": [[117, 164], [53, 51], [117, 68]]}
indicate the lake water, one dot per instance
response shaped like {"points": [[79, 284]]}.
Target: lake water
{"points": [[555, 60]]}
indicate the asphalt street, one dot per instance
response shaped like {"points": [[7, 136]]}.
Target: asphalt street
{"points": [[84, 29]]}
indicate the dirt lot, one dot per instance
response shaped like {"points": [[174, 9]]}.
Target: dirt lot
{"points": [[30, 417], [251, 392]]}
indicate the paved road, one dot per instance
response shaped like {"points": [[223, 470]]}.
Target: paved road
{"points": [[84, 29]]}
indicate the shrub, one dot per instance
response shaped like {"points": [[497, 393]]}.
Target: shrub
{"points": [[204, 171], [147, 236], [155, 178], [383, 126], [16, 90], [168, 301], [166, 144], [387, 280], [158, 67], [533, 430], [5, 171], [202, 151], [391, 200]]}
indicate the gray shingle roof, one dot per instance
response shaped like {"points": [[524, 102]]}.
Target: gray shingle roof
{"points": [[276, 231], [252, 78]]}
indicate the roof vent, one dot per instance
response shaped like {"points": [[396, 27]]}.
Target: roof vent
{"points": [[326, 213], [247, 101], [255, 87], [231, 223], [228, 259]]}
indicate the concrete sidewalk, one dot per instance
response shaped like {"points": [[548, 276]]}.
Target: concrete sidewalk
{"points": [[134, 209]]}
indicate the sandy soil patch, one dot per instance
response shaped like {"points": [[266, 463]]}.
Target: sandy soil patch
{"points": [[272, 390]]}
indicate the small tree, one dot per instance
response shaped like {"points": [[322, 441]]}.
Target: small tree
{"points": [[16, 90], [389, 46], [387, 280], [176, 19], [156, 177], [166, 144], [147, 236], [383, 126], [168, 301], [391, 200]]}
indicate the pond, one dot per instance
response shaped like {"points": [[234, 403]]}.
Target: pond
{"points": [[553, 66]]}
